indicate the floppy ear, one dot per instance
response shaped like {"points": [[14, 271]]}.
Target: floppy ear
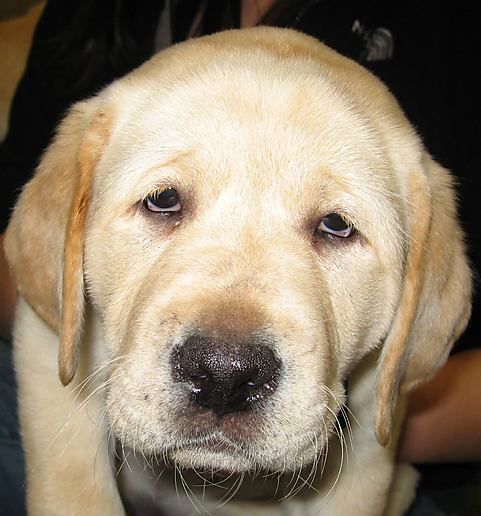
{"points": [[45, 237], [435, 303]]}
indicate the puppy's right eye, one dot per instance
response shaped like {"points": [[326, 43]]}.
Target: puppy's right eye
{"points": [[163, 201], [333, 225]]}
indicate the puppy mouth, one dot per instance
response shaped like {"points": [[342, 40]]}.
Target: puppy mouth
{"points": [[217, 442], [233, 431], [215, 453]]}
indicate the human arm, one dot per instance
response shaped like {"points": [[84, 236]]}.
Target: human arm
{"points": [[443, 422], [7, 294]]}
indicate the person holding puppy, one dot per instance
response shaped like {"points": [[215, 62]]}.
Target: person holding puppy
{"points": [[424, 57]]}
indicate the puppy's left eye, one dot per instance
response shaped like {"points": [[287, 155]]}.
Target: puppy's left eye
{"points": [[163, 201], [334, 224]]}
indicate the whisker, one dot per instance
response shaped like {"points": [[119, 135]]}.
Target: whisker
{"points": [[72, 414], [124, 461], [189, 493], [234, 488], [340, 436]]}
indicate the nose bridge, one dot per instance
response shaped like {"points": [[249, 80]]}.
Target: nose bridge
{"points": [[248, 244], [236, 261], [249, 261], [267, 226], [228, 284], [256, 282], [234, 234]]}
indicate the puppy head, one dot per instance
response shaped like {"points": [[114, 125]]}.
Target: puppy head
{"points": [[251, 215]]}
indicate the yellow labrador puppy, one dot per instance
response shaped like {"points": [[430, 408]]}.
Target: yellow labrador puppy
{"points": [[242, 256]]}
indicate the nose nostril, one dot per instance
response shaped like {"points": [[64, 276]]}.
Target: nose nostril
{"points": [[226, 377], [199, 378]]}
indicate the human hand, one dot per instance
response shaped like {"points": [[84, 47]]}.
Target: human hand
{"points": [[7, 294]]}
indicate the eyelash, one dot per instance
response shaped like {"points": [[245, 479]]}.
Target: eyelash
{"points": [[169, 204], [327, 227]]}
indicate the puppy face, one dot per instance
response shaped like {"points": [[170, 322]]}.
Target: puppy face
{"points": [[259, 211], [282, 232]]}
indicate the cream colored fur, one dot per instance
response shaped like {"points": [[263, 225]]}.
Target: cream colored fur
{"points": [[263, 132]]}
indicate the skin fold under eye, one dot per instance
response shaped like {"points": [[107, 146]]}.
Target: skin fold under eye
{"points": [[333, 224], [163, 201]]}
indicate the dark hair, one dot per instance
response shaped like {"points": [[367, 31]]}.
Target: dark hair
{"points": [[83, 44]]}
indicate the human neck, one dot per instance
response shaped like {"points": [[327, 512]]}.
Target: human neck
{"points": [[252, 11]]}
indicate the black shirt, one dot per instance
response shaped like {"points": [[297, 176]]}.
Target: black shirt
{"points": [[428, 56]]}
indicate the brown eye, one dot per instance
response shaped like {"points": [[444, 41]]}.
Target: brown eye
{"points": [[333, 224], [163, 201]]}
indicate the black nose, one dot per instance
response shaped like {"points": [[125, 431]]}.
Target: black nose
{"points": [[224, 376]]}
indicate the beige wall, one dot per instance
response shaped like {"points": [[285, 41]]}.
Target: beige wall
{"points": [[15, 37], [9, 8]]}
